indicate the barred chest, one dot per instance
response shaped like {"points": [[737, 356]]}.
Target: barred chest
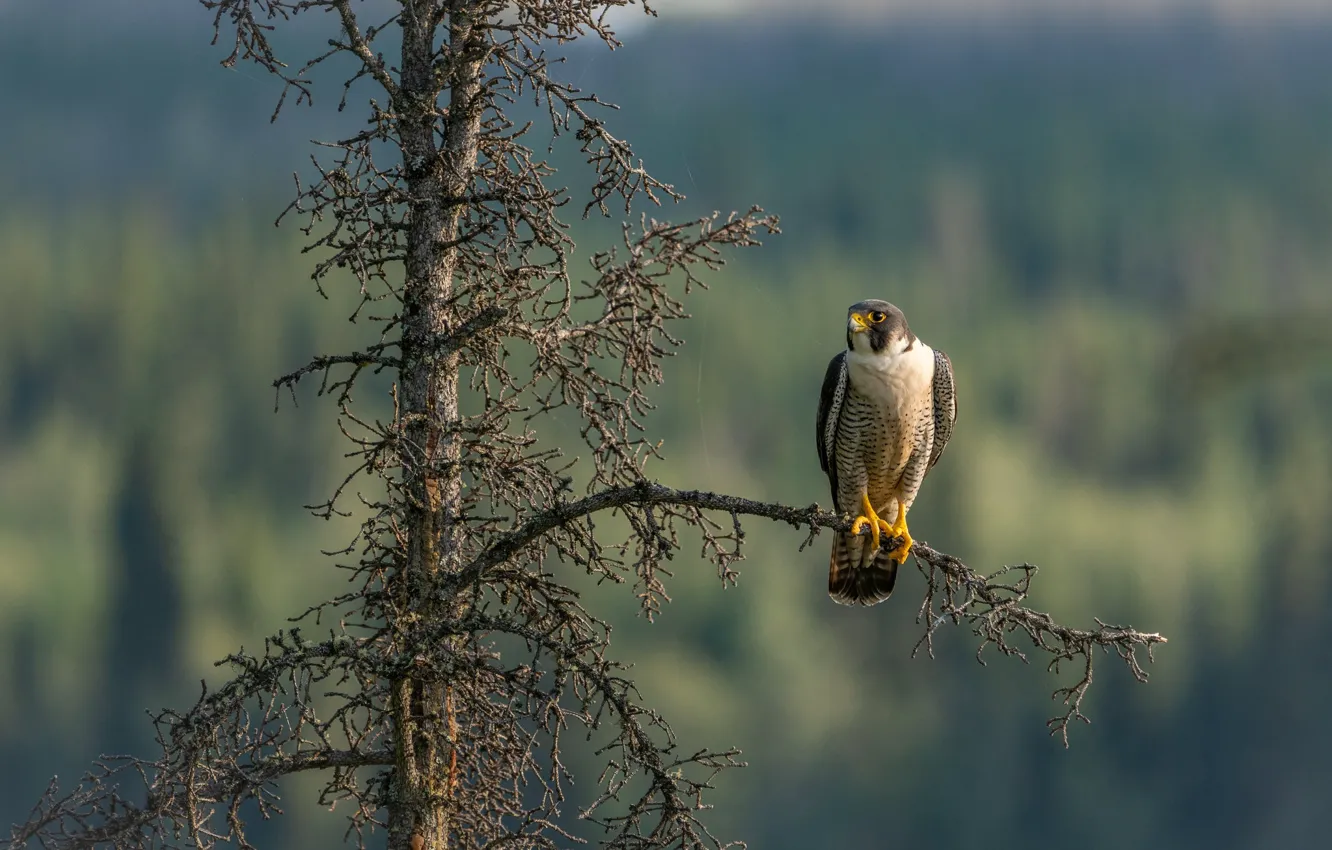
{"points": [[887, 414]]}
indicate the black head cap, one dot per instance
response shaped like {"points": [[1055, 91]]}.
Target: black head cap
{"points": [[882, 324]]}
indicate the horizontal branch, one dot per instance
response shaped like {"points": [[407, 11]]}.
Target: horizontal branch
{"points": [[441, 345], [325, 362], [642, 494], [989, 605]]}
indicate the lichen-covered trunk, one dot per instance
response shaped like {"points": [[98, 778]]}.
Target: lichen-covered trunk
{"points": [[424, 723]]}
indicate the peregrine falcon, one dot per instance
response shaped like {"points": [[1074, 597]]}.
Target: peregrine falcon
{"points": [[885, 414]]}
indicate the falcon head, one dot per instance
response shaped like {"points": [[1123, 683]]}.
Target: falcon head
{"points": [[877, 327]]}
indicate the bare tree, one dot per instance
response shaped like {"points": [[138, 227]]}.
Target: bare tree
{"points": [[444, 219]]}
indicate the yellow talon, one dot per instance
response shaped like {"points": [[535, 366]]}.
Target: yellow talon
{"points": [[859, 526], [876, 523], [899, 529], [879, 526]]}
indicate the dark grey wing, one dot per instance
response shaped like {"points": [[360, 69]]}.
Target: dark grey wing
{"points": [[945, 404], [830, 410]]}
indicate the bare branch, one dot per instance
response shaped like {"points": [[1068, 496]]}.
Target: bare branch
{"points": [[641, 494], [442, 345], [357, 359], [989, 605], [207, 770], [83, 820], [955, 593], [374, 64]]}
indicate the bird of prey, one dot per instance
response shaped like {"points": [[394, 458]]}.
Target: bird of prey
{"points": [[885, 414]]}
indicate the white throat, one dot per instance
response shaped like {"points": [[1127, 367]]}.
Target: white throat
{"points": [[891, 376]]}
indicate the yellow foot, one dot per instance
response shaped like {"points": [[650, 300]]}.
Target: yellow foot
{"points": [[877, 524], [900, 553], [859, 526], [899, 529]]}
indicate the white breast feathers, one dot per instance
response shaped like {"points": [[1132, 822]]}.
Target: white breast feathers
{"points": [[893, 380]]}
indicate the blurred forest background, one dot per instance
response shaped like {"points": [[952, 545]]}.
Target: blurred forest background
{"points": [[1118, 231]]}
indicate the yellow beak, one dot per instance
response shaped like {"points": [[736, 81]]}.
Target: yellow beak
{"points": [[857, 323]]}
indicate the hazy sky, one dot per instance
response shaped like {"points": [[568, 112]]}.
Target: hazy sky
{"points": [[915, 8], [753, 8], [136, 13]]}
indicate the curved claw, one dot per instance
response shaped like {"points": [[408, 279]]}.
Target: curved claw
{"points": [[862, 521], [900, 553], [880, 528], [899, 529]]}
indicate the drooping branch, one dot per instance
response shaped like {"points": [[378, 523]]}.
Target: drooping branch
{"points": [[990, 606]]}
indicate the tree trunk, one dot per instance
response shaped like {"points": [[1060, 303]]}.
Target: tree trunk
{"points": [[426, 769]]}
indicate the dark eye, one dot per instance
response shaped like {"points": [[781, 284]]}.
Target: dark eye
{"points": [[877, 317]]}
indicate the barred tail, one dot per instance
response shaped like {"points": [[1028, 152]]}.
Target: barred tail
{"points": [[853, 582]]}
